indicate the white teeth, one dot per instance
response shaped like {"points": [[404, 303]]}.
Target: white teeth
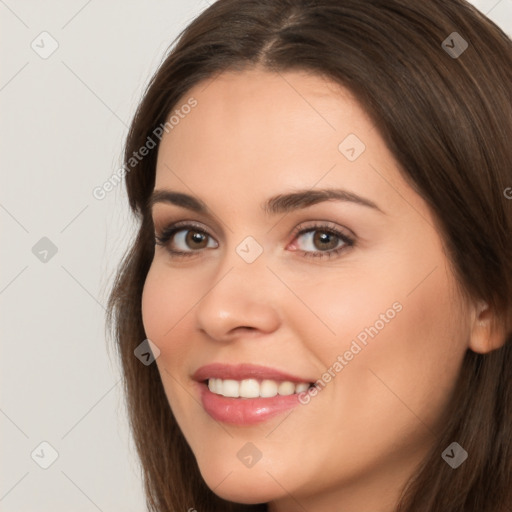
{"points": [[286, 388], [252, 388], [299, 388], [249, 388], [268, 388], [230, 388]]}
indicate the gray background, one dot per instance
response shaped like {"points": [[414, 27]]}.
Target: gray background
{"points": [[62, 125]]}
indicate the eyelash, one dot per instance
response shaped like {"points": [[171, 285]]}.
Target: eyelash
{"points": [[171, 230]]}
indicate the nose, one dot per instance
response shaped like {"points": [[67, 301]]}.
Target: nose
{"points": [[242, 298]]}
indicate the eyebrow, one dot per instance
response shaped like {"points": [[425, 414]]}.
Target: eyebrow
{"points": [[282, 203]]}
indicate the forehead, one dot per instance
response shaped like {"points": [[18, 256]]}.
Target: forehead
{"points": [[267, 132], [277, 110]]}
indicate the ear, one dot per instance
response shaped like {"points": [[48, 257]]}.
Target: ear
{"points": [[486, 334]]}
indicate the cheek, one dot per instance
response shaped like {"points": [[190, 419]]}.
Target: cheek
{"points": [[168, 299], [167, 309], [429, 335], [410, 363], [402, 338]]}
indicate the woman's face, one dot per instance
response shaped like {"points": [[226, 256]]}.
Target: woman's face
{"points": [[282, 287]]}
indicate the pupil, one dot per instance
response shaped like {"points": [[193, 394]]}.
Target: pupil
{"points": [[324, 239], [195, 237]]}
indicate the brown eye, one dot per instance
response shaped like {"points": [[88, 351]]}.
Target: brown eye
{"points": [[196, 239], [184, 240], [323, 240]]}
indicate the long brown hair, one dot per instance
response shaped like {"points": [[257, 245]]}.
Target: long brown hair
{"points": [[446, 118]]}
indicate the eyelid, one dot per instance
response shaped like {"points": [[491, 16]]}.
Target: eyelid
{"points": [[163, 226], [170, 229], [348, 239], [323, 224], [318, 224], [164, 218]]}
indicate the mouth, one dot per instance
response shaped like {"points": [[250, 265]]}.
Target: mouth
{"points": [[246, 394], [253, 388]]}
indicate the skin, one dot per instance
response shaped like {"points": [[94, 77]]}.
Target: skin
{"points": [[252, 135]]}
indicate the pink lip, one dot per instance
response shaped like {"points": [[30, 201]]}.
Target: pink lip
{"points": [[244, 371], [243, 411]]}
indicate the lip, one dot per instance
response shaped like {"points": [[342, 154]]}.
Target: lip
{"points": [[244, 371], [244, 411]]}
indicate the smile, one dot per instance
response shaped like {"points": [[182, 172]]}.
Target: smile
{"points": [[252, 388], [246, 394]]}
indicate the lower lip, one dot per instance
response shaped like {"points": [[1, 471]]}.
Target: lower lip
{"points": [[245, 411]]}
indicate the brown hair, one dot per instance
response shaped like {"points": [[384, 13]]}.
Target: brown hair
{"points": [[448, 122]]}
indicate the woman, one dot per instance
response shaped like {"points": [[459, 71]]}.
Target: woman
{"points": [[323, 266]]}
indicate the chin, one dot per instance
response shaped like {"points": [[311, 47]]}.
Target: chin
{"points": [[248, 486]]}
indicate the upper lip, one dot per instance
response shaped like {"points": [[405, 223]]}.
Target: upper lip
{"points": [[243, 371]]}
